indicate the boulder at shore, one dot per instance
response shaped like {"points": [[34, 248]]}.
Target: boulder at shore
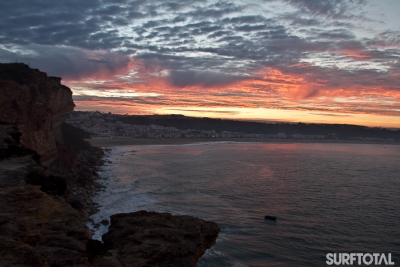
{"points": [[158, 239]]}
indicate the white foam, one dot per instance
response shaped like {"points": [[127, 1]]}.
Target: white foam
{"points": [[118, 197], [212, 253], [129, 203]]}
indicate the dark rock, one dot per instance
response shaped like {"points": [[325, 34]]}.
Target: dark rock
{"points": [[51, 184], [44, 230], [37, 226], [95, 248], [4, 219], [105, 222], [159, 239], [24, 254], [36, 105], [76, 202]]}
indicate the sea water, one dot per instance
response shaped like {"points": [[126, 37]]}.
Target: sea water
{"points": [[329, 198]]}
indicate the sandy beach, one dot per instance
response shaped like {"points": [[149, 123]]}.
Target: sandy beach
{"points": [[182, 141]]}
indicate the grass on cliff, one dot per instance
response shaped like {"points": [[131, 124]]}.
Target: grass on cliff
{"points": [[50, 184]]}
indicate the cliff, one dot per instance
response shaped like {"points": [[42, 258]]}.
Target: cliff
{"points": [[36, 104], [47, 178], [42, 215], [37, 228]]}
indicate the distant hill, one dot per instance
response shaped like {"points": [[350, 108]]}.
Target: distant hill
{"points": [[342, 131]]}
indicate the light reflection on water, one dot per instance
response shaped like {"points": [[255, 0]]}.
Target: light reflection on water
{"points": [[328, 197]]}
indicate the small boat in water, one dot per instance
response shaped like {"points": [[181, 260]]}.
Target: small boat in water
{"points": [[270, 217]]}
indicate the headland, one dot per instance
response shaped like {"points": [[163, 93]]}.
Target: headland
{"points": [[47, 178]]}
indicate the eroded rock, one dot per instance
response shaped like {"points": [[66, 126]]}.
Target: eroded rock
{"points": [[159, 239], [37, 229], [36, 104]]}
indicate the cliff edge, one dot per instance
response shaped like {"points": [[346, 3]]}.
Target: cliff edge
{"points": [[47, 178], [42, 217], [36, 104]]}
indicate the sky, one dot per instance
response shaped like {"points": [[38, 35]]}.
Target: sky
{"points": [[325, 61]]}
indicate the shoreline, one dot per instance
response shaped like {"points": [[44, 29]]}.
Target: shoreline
{"points": [[183, 141]]}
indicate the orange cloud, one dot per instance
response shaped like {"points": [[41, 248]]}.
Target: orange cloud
{"points": [[147, 89]]}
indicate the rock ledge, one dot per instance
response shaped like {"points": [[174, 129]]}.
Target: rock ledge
{"points": [[157, 239]]}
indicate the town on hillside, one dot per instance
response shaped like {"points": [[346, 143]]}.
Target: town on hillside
{"points": [[108, 125]]}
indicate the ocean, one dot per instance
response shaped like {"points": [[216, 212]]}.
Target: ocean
{"points": [[329, 198]]}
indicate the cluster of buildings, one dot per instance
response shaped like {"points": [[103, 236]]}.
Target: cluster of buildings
{"points": [[103, 125], [370, 139], [106, 125]]}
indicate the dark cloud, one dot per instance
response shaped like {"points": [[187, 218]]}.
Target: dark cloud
{"points": [[250, 28], [151, 24], [68, 62], [304, 22], [68, 22], [217, 34], [109, 10], [204, 43], [201, 78], [336, 34], [250, 19], [236, 94], [333, 115], [179, 18], [387, 38], [206, 111], [89, 28], [217, 10], [122, 101], [326, 7]]}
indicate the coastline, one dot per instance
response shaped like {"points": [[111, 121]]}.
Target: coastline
{"points": [[183, 141], [190, 164]]}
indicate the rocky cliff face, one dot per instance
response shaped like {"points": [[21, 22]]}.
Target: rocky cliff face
{"points": [[38, 225], [42, 215], [43, 210], [37, 229], [36, 104]]}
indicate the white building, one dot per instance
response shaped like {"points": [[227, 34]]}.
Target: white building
{"points": [[281, 136]]}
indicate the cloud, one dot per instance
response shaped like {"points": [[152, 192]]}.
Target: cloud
{"points": [[226, 112], [304, 22], [333, 115], [215, 10], [67, 62], [202, 78], [325, 7], [314, 47]]}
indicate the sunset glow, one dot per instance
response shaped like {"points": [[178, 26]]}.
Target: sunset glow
{"points": [[293, 60]]}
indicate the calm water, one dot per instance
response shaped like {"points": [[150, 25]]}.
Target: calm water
{"points": [[328, 197]]}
